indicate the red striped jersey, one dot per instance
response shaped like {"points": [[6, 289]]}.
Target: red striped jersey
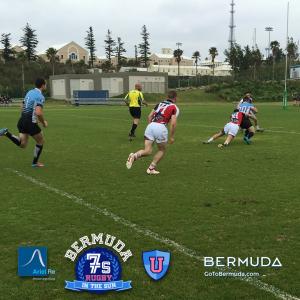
{"points": [[164, 111], [237, 118]]}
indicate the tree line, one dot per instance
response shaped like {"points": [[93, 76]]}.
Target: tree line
{"points": [[113, 48], [251, 61]]}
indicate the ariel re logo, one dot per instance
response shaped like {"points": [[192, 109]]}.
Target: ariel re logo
{"points": [[98, 266]]}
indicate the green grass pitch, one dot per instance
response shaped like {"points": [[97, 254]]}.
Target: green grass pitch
{"points": [[241, 201]]}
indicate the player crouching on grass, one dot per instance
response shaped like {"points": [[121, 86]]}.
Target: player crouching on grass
{"points": [[32, 112], [231, 129], [164, 113]]}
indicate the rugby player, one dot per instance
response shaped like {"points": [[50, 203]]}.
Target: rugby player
{"points": [[134, 99], [231, 129], [164, 113], [32, 113], [246, 105]]}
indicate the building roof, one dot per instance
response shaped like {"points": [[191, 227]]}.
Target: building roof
{"points": [[181, 67], [60, 46], [170, 56]]}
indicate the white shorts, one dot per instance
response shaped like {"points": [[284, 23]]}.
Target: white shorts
{"points": [[156, 132], [231, 128]]}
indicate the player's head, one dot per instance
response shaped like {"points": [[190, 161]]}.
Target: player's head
{"points": [[40, 83], [248, 97], [236, 110], [172, 95], [138, 86]]}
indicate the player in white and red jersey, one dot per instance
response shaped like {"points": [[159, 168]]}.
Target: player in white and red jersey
{"points": [[164, 113], [231, 129]]}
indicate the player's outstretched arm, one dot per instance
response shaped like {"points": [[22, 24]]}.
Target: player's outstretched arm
{"points": [[173, 124], [40, 115], [150, 116]]}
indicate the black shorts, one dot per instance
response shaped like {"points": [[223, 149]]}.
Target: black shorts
{"points": [[246, 123], [135, 112], [27, 127]]}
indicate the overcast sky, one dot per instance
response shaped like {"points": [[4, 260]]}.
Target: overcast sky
{"points": [[198, 24]]}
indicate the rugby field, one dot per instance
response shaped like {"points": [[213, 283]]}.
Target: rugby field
{"points": [[242, 201]]}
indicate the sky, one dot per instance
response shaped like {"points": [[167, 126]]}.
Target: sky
{"points": [[197, 24]]}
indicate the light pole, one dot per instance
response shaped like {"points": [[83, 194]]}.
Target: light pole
{"points": [[269, 30], [285, 93]]}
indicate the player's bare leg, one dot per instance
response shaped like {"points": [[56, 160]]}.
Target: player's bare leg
{"points": [[214, 137], [39, 139], [23, 140], [157, 158], [255, 121], [227, 141], [141, 153], [20, 141]]}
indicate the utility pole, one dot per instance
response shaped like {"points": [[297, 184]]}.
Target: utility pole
{"points": [[269, 29], [231, 26], [23, 79], [285, 93], [254, 39]]}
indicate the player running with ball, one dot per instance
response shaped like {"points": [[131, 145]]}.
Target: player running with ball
{"points": [[32, 113], [164, 113]]}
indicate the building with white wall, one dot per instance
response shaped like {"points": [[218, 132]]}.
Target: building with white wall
{"points": [[63, 86]]}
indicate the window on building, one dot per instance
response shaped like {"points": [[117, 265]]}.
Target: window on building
{"points": [[73, 56], [61, 56]]}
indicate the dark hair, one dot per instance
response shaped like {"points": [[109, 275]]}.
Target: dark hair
{"points": [[40, 82], [172, 94], [236, 110]]}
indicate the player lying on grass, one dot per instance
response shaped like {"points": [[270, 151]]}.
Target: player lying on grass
{"points": [[164, 113], [32, 113], [246, 105], [231, 129]]}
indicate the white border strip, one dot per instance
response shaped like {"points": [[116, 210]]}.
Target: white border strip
{"points": [[146, 232]]}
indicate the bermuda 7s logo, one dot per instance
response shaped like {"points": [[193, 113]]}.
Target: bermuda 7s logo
{"points": [[98, 269], [156, 263]]}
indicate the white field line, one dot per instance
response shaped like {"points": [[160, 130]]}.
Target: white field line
{"points": [[155, 236], [183, 124]]}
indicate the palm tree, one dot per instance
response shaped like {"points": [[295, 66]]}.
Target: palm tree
{"points": [[52, 56], [275, 50], [213, 52], [177, 54], [196, 57]]}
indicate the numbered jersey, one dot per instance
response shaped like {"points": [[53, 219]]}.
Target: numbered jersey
{"points": [[164, 111], [32, 99], [246, 107], [237, 118]]}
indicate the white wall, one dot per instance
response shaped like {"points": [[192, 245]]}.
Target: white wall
{"points": [[59, 88], [150, 84], [81, 85], [113, 84]]}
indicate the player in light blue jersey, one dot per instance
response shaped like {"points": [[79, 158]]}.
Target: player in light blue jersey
{"points": [[32, 114], [247, 107]]}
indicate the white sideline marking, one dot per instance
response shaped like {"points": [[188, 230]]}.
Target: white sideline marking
{"points": [[146, 232], [184, 124]]}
